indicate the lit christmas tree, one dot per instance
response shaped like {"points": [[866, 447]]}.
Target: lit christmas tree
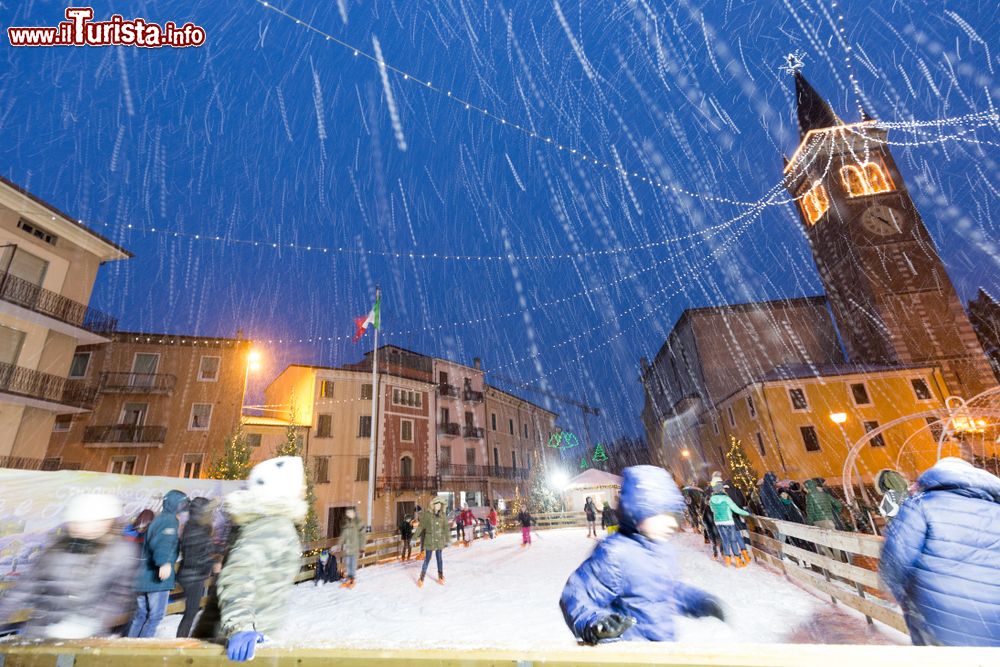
{"points": [[235, 460], [599, 454], [583, 464], [741, 470], [540, 495], [516, 505], [292, 446]]}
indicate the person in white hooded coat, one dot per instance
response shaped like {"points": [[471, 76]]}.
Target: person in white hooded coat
{"points": [[262, 560]]}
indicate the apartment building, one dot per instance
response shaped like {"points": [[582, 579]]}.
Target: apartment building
{"points": [[515, 429], [165, 404], [787, 421], [48, 264], [336, 405]]}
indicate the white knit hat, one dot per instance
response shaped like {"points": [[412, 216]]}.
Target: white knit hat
{"points": [[92, 507], [281, 477]]}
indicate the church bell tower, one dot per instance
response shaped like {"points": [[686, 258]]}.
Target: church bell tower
{"points": [[891, 296]]}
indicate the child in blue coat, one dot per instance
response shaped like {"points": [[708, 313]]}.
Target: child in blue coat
{"points": [[627, 588]]}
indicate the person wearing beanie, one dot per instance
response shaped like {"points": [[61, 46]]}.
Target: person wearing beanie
{"points": [[352, 545], [156, 579], [434, 534], [941, 557], [249, 601], [82, 582], [723, 510], [627, 589]]}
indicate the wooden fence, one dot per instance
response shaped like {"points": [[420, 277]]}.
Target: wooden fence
{"points": [[852, 581]]}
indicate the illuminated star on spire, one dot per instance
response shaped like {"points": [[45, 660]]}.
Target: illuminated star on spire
{"points": [[794, 62]]}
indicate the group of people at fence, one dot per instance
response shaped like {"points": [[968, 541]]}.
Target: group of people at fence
{"points": [[941, 561]]}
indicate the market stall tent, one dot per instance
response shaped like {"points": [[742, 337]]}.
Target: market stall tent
{"points": [[597, 484]]}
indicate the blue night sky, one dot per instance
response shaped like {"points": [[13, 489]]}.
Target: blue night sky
{"points": [[272, 134]]}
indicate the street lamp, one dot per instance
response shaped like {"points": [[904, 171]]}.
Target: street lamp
{"points": [[253, 364], [840, 418]]}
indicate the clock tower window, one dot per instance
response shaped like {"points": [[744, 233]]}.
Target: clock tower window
{"points": [[815, 203], [869, 178]]}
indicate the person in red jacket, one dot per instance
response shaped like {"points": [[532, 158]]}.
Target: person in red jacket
{"points": [[491, 523], [469, 524]]}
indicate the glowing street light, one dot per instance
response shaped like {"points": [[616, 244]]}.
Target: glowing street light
{"points": [[686, 453], [254, 359], [558, 480], [838, 417]]}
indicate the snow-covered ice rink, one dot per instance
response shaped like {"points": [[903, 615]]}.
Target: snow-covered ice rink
{"points": [[499, 595]]}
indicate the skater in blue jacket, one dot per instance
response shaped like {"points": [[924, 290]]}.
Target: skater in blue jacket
{"points": [[628, 588]]}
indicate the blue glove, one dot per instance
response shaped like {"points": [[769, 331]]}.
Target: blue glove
{"points": [[242, 645]]}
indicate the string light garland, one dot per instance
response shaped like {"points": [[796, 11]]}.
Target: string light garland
{"points": [[472, 107]]}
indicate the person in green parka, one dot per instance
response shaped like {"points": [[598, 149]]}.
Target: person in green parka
{"points": [[895, 489], [352, 542], [822, 509], [436, 534]]}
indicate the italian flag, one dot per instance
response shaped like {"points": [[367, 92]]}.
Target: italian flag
{"points": [[372, 318]]}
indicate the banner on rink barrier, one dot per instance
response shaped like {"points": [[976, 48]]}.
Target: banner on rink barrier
{"points": [[32, 504]]}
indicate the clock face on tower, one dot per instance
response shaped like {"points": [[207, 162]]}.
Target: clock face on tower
{"points": [[882, 220]]}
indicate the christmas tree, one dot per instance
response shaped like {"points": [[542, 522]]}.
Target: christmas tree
{"points": [[292, 446], [516, 506], [540, 495], [235, 460], [740, 468], [583, 464], [599, 454]]}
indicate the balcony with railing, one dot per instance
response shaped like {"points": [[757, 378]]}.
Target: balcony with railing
{"points": [[28, 383], [45, 302], [473, 432], [125, 434], [447, 391], [508, 472], [472, 396], [454, 471], [408, 483], [450, 428], [137, 383]]}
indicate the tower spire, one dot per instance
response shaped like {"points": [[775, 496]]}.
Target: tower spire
{"points": [[815, 113]]}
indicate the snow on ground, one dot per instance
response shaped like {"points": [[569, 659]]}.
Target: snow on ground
{"points": [[499, 595]]}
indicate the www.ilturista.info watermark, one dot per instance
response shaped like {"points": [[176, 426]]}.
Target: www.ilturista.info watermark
{"points": [[80, 30]]}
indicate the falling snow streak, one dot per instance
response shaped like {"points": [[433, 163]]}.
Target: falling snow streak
{"points": [[397, 125]]}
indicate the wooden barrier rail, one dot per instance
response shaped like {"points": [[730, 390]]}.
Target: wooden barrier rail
{"points": [[189, 653], [802, 564]]}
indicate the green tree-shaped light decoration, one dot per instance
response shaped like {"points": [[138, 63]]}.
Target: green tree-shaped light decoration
{"points": [[740, 468], [583, 463], [599, 454], [292, 446], [234, 463]]}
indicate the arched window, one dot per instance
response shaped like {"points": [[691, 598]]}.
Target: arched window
{"points": [[878, 179], [815, 203], [854, 180], [406, 467]]}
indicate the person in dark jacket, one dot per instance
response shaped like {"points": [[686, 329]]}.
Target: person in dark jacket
{"points": [[628, 589], [798, 495], [199, 559], [156, 572], [609, 519], [326, 568], [769, 498], [740, 498], [405, 538], [590, 510], [711, 531], [941, 558], [524, 518], [81, 582]]}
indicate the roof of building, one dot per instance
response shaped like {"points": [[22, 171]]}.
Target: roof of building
{"points": [[804, 371], [814, 112], [489, 387], [364, 373], [65, 217], [593, 478]]}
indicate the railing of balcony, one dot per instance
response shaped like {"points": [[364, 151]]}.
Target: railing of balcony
{"points": [[46, 387], [507, 472], [472, 396], [29, 295], [20, 463], [149, 383], [448, 390], [496, 472], [473, 432], [125, 433], [409, 483], [450, 428]]}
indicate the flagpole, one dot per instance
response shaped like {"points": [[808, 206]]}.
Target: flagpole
{"points": [[371, 438]]}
